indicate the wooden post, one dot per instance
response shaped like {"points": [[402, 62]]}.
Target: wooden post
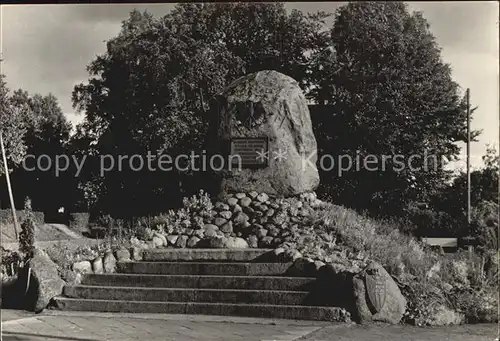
{"points": [[468, 159], [7, 177]]}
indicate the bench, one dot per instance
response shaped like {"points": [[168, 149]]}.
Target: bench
{"points": [[447, 244]]}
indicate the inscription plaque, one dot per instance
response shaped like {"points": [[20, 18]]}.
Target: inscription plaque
{"points": [[253, 151]]}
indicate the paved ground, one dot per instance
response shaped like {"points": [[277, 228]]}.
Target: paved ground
{"points": [[82, 326], [405, 333], [70, 326]]}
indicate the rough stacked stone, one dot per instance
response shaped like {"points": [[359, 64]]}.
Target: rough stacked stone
{"points": [[106, 262], [262, 221]]}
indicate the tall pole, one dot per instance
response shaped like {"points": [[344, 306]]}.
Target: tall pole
{"points": [[4, 157], [468, 158]]}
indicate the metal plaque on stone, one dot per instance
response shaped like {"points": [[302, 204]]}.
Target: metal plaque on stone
{"points": [[253, 151]]}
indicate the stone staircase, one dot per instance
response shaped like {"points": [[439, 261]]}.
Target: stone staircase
{"points": [[202, 281]]}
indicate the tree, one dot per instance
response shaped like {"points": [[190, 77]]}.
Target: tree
{"points": [[12, 126], [13, 148], [47, 135], [391, 95], [446, 212], [40, 129], [484, 188], [152, 89]]}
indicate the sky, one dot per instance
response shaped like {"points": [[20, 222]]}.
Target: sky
{"points": [[46, 48]]}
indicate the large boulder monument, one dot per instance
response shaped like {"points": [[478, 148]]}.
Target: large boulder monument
{"points": [[265, 127]]}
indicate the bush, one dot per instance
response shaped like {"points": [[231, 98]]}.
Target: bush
{"points": [[429, 223], [101, 220], [11, 261], [200, 204], [27, 234], [196, 209], [485, 225], [478, 306], [79, 221]]}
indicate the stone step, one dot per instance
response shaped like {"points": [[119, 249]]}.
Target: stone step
{"points": [[204, 268], [211, 255], [201, 281], [189, 295], [311, 313]]}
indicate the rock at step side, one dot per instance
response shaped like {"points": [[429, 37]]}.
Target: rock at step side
{"points": [[377, 296], [46, 280]]}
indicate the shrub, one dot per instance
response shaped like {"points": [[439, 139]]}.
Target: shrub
{"points": [[430, 223], [196, 209], [478, 306], [491, 267], [102, 220], [27, 234], [11, 261], [193, 214], [201, 204], [79, 221], [485, 225]]}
